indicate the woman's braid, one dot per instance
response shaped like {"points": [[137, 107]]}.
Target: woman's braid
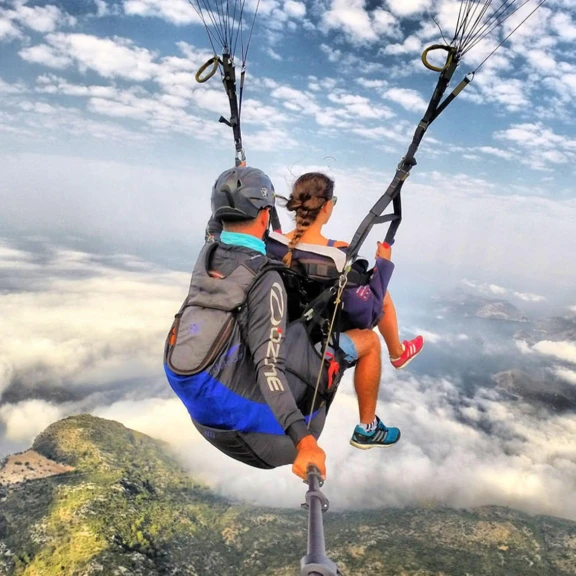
{"points": [[309, 193]]}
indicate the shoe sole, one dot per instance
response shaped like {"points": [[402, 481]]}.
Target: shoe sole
{"points": [[407, 361], [368, 446]]}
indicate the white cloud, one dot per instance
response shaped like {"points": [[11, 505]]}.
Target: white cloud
{"points": [[495, 289], [263, 140], [505, 154], [43, 19], [565, 374], [359, 106], [102, 9], [410, 45], [166, 110], [151, 416], [274, 55], [523, 346], [407, 98], [25, 420], [564, 26], [540, 144], [359, 24], [371, 83], [563, 350], [499, 453], [429, 337], [299, 100], [46, 55], [528, 297], [487, 288], [119, 201], [110, 58], [295, 9], [408, 7], [47, 119], [8, 31], [178, 12], [7, 88], [50, 84]]}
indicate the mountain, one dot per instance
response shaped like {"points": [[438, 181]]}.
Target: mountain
{"points": [[110, 501], [536, 389], [555, 329], [461, 303]]}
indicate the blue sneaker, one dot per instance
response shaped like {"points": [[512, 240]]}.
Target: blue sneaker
{"points": [[381, 437]]}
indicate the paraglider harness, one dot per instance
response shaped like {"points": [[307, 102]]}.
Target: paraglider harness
{"points": [[221, 300]]}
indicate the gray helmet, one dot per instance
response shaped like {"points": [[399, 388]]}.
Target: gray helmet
{"points": [[240, 193]]}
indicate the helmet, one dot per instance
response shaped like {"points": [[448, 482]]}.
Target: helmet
{"points": [[240, 193]]}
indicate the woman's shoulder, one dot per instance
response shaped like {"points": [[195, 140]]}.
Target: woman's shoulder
{"points": [[320, 242], [338, 243]]}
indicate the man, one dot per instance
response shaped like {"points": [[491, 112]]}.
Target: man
{"points": [[245, 375]]}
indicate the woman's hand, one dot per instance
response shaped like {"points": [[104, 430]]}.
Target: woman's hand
{"points": [[384, 250]]}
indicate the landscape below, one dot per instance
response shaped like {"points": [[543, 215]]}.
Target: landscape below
{"points": [[93, 497]]}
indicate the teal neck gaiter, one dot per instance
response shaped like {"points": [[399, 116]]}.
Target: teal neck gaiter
{"points": [[246, 240]]}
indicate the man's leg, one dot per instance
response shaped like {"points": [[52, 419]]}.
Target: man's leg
{"points": [[370, 432], [367, 372]]}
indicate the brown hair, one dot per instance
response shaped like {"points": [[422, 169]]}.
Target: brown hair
{"points": [[309, 193]]}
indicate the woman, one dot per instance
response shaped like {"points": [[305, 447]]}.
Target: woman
{"points": [[312, 201]]}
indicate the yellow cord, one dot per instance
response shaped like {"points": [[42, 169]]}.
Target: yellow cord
{"points": [[214, 61], [448, 49]]}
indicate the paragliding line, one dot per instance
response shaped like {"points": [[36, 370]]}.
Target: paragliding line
{"points": [[471, 28]]}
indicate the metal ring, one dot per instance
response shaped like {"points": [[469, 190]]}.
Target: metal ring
{"points": [[437, 47], [215, 61]]}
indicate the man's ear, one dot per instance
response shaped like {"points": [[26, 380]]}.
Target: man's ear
{"points": [[265, 214]]}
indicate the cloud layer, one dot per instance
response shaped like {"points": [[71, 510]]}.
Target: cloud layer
{"points": [[95, 326]]}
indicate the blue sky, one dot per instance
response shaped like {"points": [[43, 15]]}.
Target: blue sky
{"points": [[107, 135], [108, 151], [325, 78]]}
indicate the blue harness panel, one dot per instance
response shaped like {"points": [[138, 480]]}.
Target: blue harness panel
{"points": [[212, 404]]}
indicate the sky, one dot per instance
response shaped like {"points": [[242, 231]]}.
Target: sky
{"points": [[108, 151]]}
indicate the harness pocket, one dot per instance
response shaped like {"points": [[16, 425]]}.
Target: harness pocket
{"points": [[197, 338]]}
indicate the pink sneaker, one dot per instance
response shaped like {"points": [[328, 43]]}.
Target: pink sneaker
{"points": [[411, 349]]}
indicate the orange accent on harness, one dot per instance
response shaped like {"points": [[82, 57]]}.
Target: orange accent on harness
{"points": [[333, 368], [173, 336], [216, 274]]}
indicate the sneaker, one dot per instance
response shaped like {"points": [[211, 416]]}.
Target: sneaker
{"points": [[381, 437], [411, 349]]}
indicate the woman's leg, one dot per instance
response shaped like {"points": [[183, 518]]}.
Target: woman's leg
{"points": [[388, 327]]}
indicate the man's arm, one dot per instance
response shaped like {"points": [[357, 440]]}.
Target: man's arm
{"points": [[266, 329]]}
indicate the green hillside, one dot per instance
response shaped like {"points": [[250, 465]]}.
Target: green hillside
{"points": [[128, 508]]}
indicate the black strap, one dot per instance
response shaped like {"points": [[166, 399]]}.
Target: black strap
{"points": [[392, 193], [229, 81]]}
